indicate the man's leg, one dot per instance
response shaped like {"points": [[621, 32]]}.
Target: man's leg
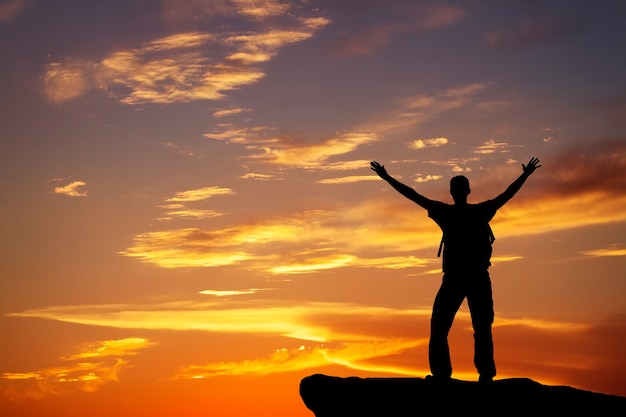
{"points": [[447, 303], [480, 302]]}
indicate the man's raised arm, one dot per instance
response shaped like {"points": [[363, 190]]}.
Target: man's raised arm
{"points": [[512, 189], [405, 190]]}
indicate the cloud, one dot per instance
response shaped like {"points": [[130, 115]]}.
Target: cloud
{"points": [[597, 168], [199, 194], [261, 8], [183, 151], [357, 337], [73, 189], [177, 206], [230, 293], [229, 112], [92, 366], [256, 176], [532, 32], [612, 251], [350, 355], [393, 18], [427, 178], [291, 151], [284, 151], [427, 143], [11, 8], [413, 111], [181, 211], [578, 188], [182, 67], [350, 179], [491, 146]]}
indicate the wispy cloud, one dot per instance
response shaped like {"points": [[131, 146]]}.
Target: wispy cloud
{"points": [[351, 355], [229, 112], [261, 8], [230, 293], [11, 8], [183, 151], [199, 194], [87, 369], [491, 146], [309, 155], [393, 18], [358, 337], [413, 111], [349, 179], [615, 250], [73, 189], [531, 32], [178, 206], [179, 68]]}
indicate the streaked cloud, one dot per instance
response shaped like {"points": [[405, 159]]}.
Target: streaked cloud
{"points": [[230, 293], [612, 251], [261, 8], [357, 337], [491, 146], [90, 367], [178, 206], [183, 151], [73, 189], [349, 179], [256, 176], [303, 321], [286, 152], [181, 211], [415, 110], [571, 191], [229, 112], [200, 194], [314, 264], [356, 356]]}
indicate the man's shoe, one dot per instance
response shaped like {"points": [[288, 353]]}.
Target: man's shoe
{"points": [[438, 379]]}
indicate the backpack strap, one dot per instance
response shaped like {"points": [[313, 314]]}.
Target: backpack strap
{"points": [[441, 245], [492, 238]]}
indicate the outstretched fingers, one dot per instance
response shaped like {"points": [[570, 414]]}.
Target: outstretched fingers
{"points": [[533, 164]]}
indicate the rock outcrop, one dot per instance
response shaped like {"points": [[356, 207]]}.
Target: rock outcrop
{"points": [[329, 396]]}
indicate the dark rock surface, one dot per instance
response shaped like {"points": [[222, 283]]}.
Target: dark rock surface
{"points": [[329, 396]]}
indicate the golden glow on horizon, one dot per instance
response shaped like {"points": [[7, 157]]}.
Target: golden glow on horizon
{"points": [[351, 356]]}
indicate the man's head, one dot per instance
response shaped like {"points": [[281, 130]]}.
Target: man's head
{"points": [[459, 188]]}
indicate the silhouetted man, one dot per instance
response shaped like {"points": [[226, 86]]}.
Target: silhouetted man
{"points": [[466, 241]]}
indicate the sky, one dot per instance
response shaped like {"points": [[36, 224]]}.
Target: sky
{"points": [[189, 224]]}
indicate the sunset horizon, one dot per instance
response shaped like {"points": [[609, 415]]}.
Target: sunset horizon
{"points": [[190, 224]]}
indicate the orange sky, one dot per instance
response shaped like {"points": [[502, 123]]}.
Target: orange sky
{"points": [[189, 224]]}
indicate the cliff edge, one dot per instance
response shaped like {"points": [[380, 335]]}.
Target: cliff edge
{"points": [[328, 396]]}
